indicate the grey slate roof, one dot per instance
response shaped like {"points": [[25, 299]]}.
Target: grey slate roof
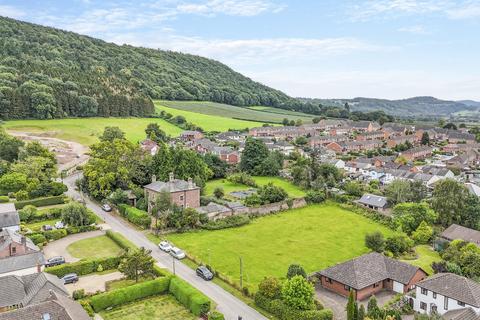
{"points": [[453, 286], [28, 289], [458, 232], [461, 314], [171, 186], [213, 207], [20, 262], [7, 237], [368, 269], [373, 200], [8, 215]]}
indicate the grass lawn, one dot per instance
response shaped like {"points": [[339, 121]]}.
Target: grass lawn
{"points": [[426, 255], [316, 237], [122, 283], [292, 190], [87, 130], [209, 122], [97, 247], [36, 226], [164, 307]]}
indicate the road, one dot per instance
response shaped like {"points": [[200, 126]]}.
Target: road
{"points": [[227, 304]]}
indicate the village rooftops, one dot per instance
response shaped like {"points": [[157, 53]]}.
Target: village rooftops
{"points": [[173, 185], [8, 237], [20, 262], [461, 314], [458, 232]]}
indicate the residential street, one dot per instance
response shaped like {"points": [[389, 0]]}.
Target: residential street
{"points": [[229, 305]]}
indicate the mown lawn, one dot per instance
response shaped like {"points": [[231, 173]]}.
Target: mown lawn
{"points": [[87, 130], [37, 226], [122, 283], [317, 236], [209, 122], [426, 255], [164, 307], [97, 247], [290, 188]]}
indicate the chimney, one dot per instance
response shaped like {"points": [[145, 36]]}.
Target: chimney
{"points": [[171, 177], [190, 183], [23, 240], [154, 178]]}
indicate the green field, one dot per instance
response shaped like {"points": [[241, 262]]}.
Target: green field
{"points": [[257, 114], [87, 130], [209, 122], [164, 307], [292, 190], [94, 248], [317, 236], [426, 255]]}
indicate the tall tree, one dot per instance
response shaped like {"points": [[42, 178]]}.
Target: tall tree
{"points": [[425, 139], [449, 201], [155, 133], [351, 306], [112, 133], [137, 263], [254, 153], [162, 206]]}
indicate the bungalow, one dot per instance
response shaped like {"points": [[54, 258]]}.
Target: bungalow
{"points": [[446, 292], [373, 202], [456, 231], [23, 264], [9, 218], [370, 274]]}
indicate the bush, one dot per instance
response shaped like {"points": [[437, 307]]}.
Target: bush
{"points": [[4, 199], [271, 193], [73, 230], [21, 195], [190, 297], [270, 288], [128, 294], [87, 307], [228, 222], [76, 214], [296, 270], [78, 294], [136, 216], [27, 213], [375, 241], [215, 315], [120, 240], [242, 178], [218, 192], [41, 202], [37, 238], [55, 234], [84, 267], [313, 196], [399, 244]]}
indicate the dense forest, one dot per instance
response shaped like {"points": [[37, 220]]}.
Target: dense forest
{"points": [[49, 73]]}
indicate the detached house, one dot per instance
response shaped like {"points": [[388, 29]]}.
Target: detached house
{"points": [[455, 232], [373, 202], [190, 135], [370, 274]]}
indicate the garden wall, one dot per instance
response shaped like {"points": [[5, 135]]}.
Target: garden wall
{"points": [[278, 206]]}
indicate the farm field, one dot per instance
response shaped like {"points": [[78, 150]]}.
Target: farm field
{"points": [[94, 248], [164, 307], [87, 130], [316, 236], [259, 113], [209, 122], [292, 190]]}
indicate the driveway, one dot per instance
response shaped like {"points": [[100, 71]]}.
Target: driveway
{"points": [[93, 283], [59, 247]]}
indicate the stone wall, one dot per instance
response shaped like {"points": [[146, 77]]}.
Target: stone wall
{"points": [[276, 207]]}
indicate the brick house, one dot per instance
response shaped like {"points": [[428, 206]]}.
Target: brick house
{"points": [[354, 146], [14, 244], [149, 146], [393, 142], [325, 140], [370, 274], [455, 136], [373, 135], [190, 135], [184, 194], [417, 153]]}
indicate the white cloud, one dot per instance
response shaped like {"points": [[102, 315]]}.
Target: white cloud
{"points": [[230, 7], [11, 12], [418, 29], [469, 10]]}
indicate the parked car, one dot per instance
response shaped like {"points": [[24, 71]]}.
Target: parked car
{"points": [[204, 273], [55, 261], [106, 208], [59, 225], [47, 227], [70, 278], [165, 246], [177, 253]]}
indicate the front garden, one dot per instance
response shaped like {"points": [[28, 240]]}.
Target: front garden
{"points": [[93, 248]]}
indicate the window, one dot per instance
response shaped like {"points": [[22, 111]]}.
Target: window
{"points": [[181, 198], [375, 285], [329, 280], [423, 306], [460, 303], [424, 291], [14, 250], [445, 303], [434, 295], [346, 287]]}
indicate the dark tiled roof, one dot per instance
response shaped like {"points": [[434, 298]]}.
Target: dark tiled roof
{"points": [[455, 287], [171, 186], [20, 262], [458, 232], [373, 200], [461, 314], [368, 269]]}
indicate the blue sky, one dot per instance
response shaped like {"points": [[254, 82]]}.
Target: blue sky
{"points": [[326, 49]]}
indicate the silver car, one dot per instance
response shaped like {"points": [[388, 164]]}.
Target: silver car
{"points": [[165, 246], [177, 253]]}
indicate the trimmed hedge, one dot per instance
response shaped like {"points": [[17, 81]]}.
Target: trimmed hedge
{"points": [[73, 230], [190, 297], [128, 294], [55, 234], [41, 202], [279, 309], [4, 199], [37, 238], [120, 240], [84, 267], [136, 216], [215, 315]]}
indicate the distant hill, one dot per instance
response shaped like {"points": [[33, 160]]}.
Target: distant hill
{"points": [[50, 73], [417, 107], [470, 103]]}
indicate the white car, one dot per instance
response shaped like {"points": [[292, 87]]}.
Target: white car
{"points": [[59, 225], [165, 246], [177, 253]]}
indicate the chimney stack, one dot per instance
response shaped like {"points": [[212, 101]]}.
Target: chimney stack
{"points": [[171, 176], [24, 242], [190, 183], [154, 178]]}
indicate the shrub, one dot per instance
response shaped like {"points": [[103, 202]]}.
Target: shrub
{"points": [[296, 270], [399, 244], [76, 214], [218, 192], [215, 315], [242, 178], [314, 196], [73, 230], [78, 294], [137, 216], [270, 288], [27, 213], [228, 222], [375, 241], [120, 240], [190, 297], [87, 307], [4, 199], [37, 238], [128, 294], [423, 234], [271, 193], [55, 234], [41, 202], [84, 267], [298, 293]]}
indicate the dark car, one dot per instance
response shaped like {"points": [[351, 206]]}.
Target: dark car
{"points": [[204, 273], [55, 261], [70, 278]]}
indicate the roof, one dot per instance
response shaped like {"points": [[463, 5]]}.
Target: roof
{"points": [[8, 236], [373, 200], [213, 207], [473, 188], [173, 185], [461, 314], [368, 269], [459, 232], [57, 306], [453, 286], [20, 262], [8, 215], [28, 289]]}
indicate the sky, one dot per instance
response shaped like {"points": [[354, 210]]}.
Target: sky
{"points": [[390, 49]]}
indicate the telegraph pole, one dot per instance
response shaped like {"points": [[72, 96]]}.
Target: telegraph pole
{"points": [[241, 272]]}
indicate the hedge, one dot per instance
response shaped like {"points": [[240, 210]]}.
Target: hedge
{"points": [[136, 216], [190, 297], [55, 234], [120, 240], [37, 238], [128, 294], [73, 230], [279, 309], [41, 202], [215, 315], [4, 199], [228, 222], [84, 267]]}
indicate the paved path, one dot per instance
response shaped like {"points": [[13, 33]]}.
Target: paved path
{"points": [[93, 283], [59, 247], [229, 305]]}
